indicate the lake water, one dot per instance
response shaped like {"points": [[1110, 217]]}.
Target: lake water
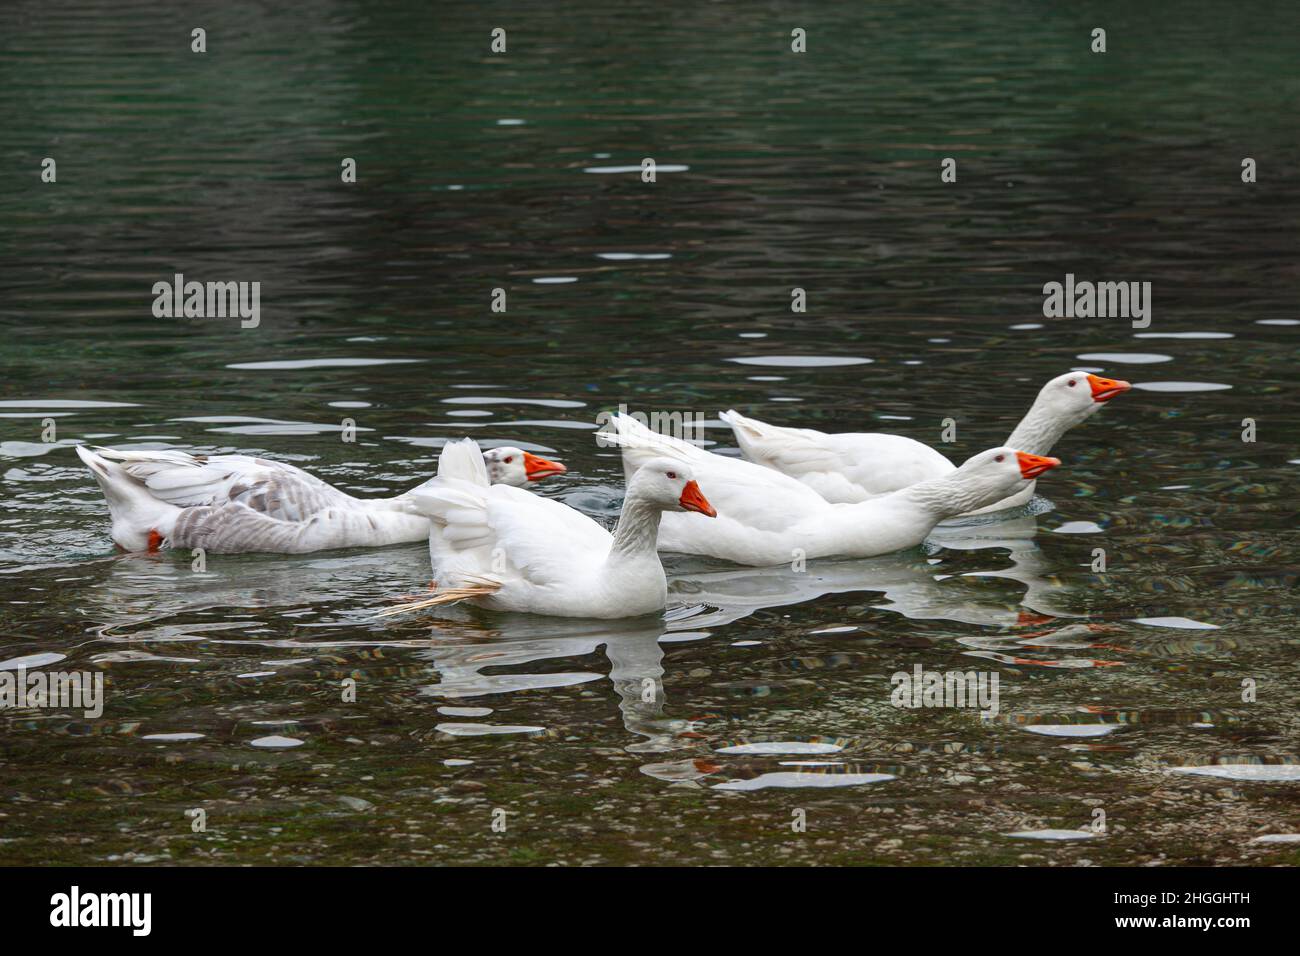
{"points": [[1161, 691]]}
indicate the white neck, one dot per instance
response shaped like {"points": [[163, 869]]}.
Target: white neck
{"points": [[1038, 431], [950, 495], [638, 529]]}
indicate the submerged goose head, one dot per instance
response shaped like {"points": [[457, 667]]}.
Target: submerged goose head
{"points": [[516, 467], [669, 485]]}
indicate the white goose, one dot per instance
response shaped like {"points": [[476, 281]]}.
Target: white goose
{"points": [[507, 550], [234, 503], [767, 518], [855, 466]]}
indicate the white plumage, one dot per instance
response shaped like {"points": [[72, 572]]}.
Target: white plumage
{"points": [[852, 467], [508, 550], [768, 518], [237, 503]]}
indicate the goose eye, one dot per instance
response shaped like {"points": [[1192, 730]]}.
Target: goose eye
{"points": [[1071, 383], [672, 474], [510, 459], [1000, 458]]}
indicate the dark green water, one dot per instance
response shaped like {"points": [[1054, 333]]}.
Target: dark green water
{"points": [[818, 171]]}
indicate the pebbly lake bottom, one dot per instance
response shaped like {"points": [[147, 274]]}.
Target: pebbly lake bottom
{"points": [[256, 712]]}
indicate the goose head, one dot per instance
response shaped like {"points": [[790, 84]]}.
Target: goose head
{"points": [[516, 467], [999, 473], [669, 486], [1074, 396]]}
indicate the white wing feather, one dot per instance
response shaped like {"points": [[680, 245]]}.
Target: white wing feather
{"points": [[841, 468], [274, 489], [740, 491], [791, 451], [463, 460], [497, 532]]}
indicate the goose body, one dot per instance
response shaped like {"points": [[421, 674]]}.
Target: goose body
{"points": [[237, 503], [768, 518], [853, 467], [505, 549]]}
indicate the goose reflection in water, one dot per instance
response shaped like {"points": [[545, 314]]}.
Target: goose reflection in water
{"points": [[140, 598], [631, 646], [357, 583], [706, 598], [163, 583], [910, 582], [1045, 592]]}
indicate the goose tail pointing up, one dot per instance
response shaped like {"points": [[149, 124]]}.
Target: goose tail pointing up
{"points": [[463, 460], [749, 426], [640, 444], [766, 444]]}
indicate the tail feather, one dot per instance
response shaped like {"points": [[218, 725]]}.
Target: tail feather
{"points": [[793, 451], [464, 460], [640, 444], [118, 485], [751, 426], [446, 596], [140, 520], [633, 437], [749, 431]]}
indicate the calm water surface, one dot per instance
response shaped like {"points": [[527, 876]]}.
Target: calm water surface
{"points": [[688, 739]]}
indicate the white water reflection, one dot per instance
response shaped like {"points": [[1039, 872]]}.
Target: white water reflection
{"points": [[1184, 623], [482, 730], [1071, 730], [1052, 835], [803, 361], [782, 747], [1258, 772], [790, 779], [286, 365]]}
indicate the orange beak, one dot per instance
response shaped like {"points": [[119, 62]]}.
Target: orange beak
{"points": [[1104, 389], [1031, 466], [693, 499], [537, 468]]}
